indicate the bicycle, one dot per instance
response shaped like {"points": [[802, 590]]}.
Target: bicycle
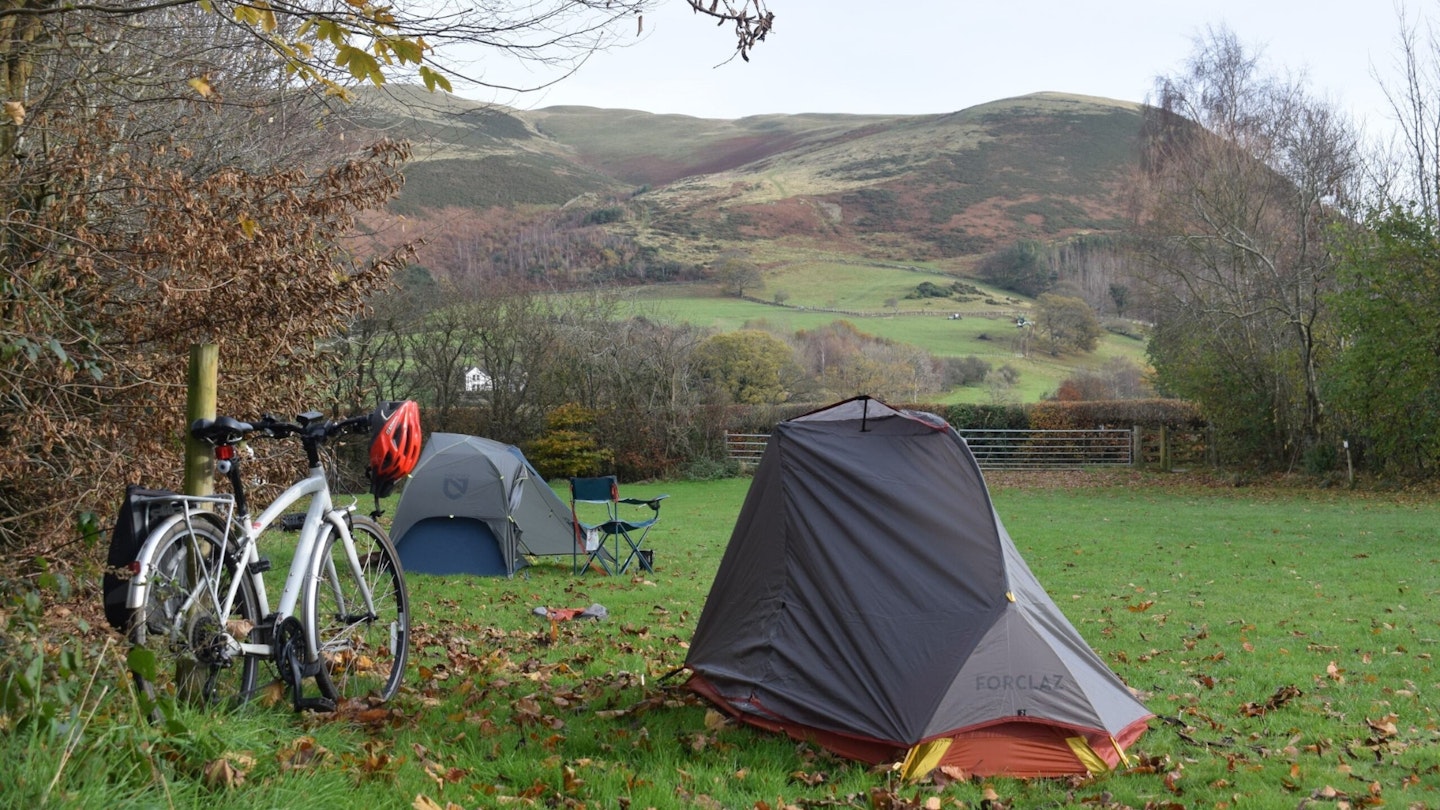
{"points": [[201, 625]]}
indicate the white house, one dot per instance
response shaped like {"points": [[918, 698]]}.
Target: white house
{"points": [[476, 380]]}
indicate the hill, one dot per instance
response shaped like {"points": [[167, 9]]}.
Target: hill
{"points": [[664, 196], [936, 187], [902, 187]]}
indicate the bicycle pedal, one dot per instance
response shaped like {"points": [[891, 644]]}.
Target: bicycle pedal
{"points": [[315, 704]]}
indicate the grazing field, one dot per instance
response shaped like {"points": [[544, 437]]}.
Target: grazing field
{"points": [[1285, 639], [985, 330]]}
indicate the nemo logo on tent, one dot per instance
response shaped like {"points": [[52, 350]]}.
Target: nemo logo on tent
{"points": [[1043, 683], [454, 488]]}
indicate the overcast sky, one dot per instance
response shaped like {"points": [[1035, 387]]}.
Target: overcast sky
{"points": [[938, 56]]}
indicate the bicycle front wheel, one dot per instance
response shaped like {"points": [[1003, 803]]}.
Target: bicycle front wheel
{"points": [[361, 616], [186, 631]]}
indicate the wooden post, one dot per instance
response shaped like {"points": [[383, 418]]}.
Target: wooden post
{"points": [[1165, 448], [1137, 446], [201, 385]]}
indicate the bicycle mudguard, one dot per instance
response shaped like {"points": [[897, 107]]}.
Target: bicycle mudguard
{"points": [[135, 592]]}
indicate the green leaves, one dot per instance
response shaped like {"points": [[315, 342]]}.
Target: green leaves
{"points": [[372, 24], [142, 662], [434, 80]]}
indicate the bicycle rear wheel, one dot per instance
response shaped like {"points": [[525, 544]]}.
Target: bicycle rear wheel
{"points": [[362, 651], [183, 632]]}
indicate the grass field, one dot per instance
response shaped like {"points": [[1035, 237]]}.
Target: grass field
{"points": [[985, 330], [1285, 639]]}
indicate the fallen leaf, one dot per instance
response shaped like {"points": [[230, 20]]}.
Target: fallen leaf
{"points": [[220, 773]]}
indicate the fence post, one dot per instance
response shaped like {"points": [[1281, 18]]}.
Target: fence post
{"points": [[1165, 448], [1137, 446], [200, 387], [201, 384]]}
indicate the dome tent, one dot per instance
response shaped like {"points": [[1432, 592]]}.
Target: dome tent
{"points": [[476, 506], [871, 601]]}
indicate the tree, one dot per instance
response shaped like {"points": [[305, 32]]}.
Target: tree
{"points": [[1386, 381], [1019, 268], [736, 274], [749, 367], [332, 42], [1120, 294], [1386, 373], [1067, 324], [167, 179], [1118, 378], [1245, 177]]}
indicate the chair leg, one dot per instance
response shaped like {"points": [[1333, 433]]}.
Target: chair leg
{"points": [[609, 563], [634, 554]]}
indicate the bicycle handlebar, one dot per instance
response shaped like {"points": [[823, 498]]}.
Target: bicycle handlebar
{"points": [[311, 425]]}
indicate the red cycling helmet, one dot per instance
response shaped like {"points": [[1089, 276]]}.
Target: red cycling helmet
{"points": [[394, 444]]}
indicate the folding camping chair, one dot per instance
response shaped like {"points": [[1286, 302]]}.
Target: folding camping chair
{"points": [[610, 535]]}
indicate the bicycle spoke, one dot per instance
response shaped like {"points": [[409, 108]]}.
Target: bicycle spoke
{"points": [[184, 627], [363, 651]]}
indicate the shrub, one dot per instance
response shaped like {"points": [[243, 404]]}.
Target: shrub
{"points": [[976, 416], [568, 446], [969, 370], [604, 216], [711, 469]]}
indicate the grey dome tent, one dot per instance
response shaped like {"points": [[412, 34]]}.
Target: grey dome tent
{"points": [[871, 601], [476, 506]]}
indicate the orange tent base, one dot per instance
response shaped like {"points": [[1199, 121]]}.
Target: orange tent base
{"points": [[1016, 747]]}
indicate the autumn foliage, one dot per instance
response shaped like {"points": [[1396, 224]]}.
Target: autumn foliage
{"points": [[124, 261]]}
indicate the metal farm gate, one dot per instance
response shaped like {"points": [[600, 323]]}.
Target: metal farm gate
{"points": [[1005, 449]]}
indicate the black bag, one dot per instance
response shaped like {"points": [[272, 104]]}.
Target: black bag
{"points": [[132, 526]]}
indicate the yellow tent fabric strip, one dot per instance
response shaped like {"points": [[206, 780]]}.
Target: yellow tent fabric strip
{"points": [[1087, 756], [922, 759]]}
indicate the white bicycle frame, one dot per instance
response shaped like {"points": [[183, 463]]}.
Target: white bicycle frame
{"points": [[305, 566]]}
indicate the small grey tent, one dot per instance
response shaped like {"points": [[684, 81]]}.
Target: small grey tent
{"points": [[871, 601], [476, 506]]}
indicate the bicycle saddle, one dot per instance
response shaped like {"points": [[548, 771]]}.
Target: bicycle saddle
{"points": [[221, 431]]}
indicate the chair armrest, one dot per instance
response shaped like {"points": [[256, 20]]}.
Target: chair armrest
{"points": [[653, 503]]}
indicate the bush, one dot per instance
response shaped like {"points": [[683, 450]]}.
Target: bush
{"points": [[1174, 413], [1321, 458], [604, 216], [929, 289], [711, 469], [975, 417], [969, 370], [568, 447]]}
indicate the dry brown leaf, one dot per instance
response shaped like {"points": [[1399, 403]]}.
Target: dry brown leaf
{"points": [[220, 773]]}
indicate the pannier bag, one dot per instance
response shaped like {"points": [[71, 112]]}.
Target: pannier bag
{"points": [[137, 515]]}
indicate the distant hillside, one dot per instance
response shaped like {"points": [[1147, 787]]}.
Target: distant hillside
{"points": [[903, 187], [837, 212]]}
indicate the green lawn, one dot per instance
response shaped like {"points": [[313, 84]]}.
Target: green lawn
{"points": [[1284, 638], [987, 332]]}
